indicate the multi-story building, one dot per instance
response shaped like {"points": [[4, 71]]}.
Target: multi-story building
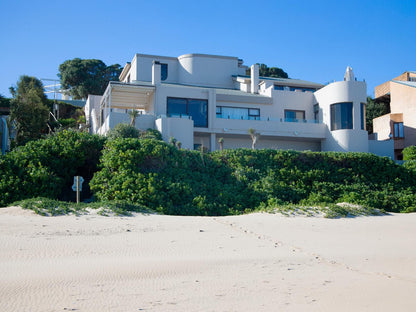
{"points": [[400, 124], [198, 98]]}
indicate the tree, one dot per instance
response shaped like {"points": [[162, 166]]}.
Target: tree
{"points": [[4, 102], [28, 109], [274, 72], [374, 110], [133, 114], [221, 142], [254, 137], [90, 76]]}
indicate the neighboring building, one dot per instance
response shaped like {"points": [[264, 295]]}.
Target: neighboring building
{"points": [[400, 124], [200, 98]]}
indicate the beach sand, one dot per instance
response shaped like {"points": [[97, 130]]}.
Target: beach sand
{"points": [[256, 262]]}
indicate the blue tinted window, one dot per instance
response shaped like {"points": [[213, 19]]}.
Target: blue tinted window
{"points": [[197, 109], [362, 116], [341, 116], [163, 71]]}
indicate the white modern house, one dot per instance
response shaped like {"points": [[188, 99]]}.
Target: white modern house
{"points": [[199, 98]]}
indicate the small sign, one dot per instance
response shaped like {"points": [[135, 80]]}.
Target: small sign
{"points": [[74, 187]]}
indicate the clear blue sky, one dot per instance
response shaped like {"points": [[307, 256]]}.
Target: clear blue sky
{"points": [[310, 40]]}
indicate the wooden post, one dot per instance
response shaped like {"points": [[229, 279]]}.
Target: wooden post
{"points": [[77, 189]]}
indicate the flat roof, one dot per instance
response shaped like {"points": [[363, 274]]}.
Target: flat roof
{"points": [[287, 81], [406, 83]]}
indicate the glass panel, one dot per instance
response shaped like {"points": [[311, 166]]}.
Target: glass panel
{"points": [[254, 112], [234, 113], [398, 130], [163, 71], [176, 107], [341, 116], [198, 110], [362, 116], [218, 110], [293, 116]]}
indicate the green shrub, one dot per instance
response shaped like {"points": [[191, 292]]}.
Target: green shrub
{"points": [[67, 123], [409, 153], [123, 130], [157, 175], [46, 167]]}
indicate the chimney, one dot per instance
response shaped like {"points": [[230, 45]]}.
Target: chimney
{"points": [[156, 72], [349, 74], [254, 78]]}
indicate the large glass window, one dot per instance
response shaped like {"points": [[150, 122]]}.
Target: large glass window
{"points": [[294, 115], [362, 115], [398, 130], [238, 113], [197, 109], [341, 116]]}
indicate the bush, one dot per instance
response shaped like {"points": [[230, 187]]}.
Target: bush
{"points": [[46, 167], [409, 153], [157, 175], [123, 130]]}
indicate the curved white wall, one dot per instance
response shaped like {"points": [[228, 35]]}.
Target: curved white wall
{"points": [[353, 140], [207, 70]]}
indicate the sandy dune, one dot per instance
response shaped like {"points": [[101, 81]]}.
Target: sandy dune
{"points": [[257, 262]]}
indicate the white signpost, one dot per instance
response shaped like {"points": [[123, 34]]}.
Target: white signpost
{"points": [[77, 187]]}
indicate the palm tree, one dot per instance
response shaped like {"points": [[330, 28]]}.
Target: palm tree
{"points": [[221, 142], [133, 114], [254, 137]]}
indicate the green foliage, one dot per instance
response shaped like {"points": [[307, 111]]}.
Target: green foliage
{"points": [[151, 134], [374, 110], [28, 109], [51, 207], [275, 72], [123, 130], [157, 175], [67, 122], [409, 153], [46, 167], [90, 76], [4, 102]]}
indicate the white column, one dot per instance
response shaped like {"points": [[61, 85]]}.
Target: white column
{"points": [[213, 142]]}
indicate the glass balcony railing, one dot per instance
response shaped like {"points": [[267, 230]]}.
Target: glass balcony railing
{"points": [[309, 121]]}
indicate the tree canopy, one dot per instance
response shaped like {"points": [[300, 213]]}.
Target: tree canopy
{"points": [[374, 110], [28, 109], [274, 72], [4, 102], [90, 76]]}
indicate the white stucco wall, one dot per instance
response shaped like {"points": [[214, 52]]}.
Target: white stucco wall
{"points": [[179, 128], [354, 140], [207, 70], [381, 148]]}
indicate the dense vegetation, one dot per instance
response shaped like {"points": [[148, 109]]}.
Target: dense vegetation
{"points": [[172, 181], [46, 167], [150, 174]]}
